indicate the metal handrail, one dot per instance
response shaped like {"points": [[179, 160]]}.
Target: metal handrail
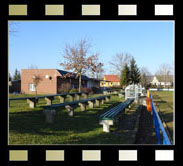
{"points": [[159, 126]]}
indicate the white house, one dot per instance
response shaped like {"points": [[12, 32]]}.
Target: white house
{"points": [[158, 82]]}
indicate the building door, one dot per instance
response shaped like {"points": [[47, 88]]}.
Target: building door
{"points": [[59, 88]]}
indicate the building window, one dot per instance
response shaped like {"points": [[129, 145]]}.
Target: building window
{"points": [[32, 87], [115, 83]]}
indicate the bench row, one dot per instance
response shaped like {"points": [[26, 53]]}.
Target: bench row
{"points": [[112, 115], [49, 98], [105, 92], [50, 110]]}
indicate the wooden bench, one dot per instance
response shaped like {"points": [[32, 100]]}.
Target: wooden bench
{"points": [[31, 100], [121, 94], [70, 106], [34, 100], [112, 115], [112, 91], [49, 98], [107, 91]]}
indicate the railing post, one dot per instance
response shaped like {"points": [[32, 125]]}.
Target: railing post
{"points": [[157, 130], [159, 126]]}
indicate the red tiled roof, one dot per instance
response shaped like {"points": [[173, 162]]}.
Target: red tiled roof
{"points": [[112, 78]]}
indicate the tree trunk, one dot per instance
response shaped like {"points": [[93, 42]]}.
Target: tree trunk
{"points": [[80, 82], [36, 91]]}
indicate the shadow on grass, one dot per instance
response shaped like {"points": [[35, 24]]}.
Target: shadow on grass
{"points": [[167, 117], [33, 122], [160, 102], [146, 132]]}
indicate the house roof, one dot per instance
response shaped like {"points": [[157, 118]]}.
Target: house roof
{"points": [[94, 79], [159, 78], [169, 78], [63, 72], [112, 78], [16, 80], [149, 78]]}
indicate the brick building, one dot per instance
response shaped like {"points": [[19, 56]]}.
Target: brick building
{"points": [[52, 81]]}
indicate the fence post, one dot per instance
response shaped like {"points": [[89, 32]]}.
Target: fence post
{"points": [[159, 126]]}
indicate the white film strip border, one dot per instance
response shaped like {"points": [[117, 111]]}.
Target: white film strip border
{"points": [[91, 155], [163, 10], [92, 10]]}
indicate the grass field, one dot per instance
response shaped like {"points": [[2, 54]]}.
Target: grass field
{"points": [[27, 126], [164, 103]]}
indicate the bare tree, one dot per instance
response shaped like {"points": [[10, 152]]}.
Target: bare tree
{"points": [[99, 70], [165, 73], [32, 67], [145, 77], [36, 80], [119, 61], [77, 60]]}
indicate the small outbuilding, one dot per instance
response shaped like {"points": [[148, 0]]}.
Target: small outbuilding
{"points": [[133, 91], [14, 86]]}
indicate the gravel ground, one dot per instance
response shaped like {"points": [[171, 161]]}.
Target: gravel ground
{"points": [[146, 132], [127, 125]]}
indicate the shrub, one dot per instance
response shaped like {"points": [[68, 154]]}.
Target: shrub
{"points": [[147, 86], [95, 89], [117, 88], [153, 86], [160, 86], [73, 90], [87, 90]]}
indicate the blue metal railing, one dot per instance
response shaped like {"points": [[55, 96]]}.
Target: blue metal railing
{"points": [[159, 126]]}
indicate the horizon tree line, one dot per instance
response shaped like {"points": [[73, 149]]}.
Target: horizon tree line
{"points": [[16, 76], [79, 60], [124, 65]]}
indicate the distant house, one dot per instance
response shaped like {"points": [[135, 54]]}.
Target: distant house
{"points": [[159, 80], [110, 81], [53, 81]]}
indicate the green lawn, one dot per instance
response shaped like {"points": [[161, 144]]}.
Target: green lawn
{"points": [[27, 126], [22, 105], [164, 103]]}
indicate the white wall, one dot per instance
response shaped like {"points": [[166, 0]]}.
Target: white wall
{"points": [[91, 84]]}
